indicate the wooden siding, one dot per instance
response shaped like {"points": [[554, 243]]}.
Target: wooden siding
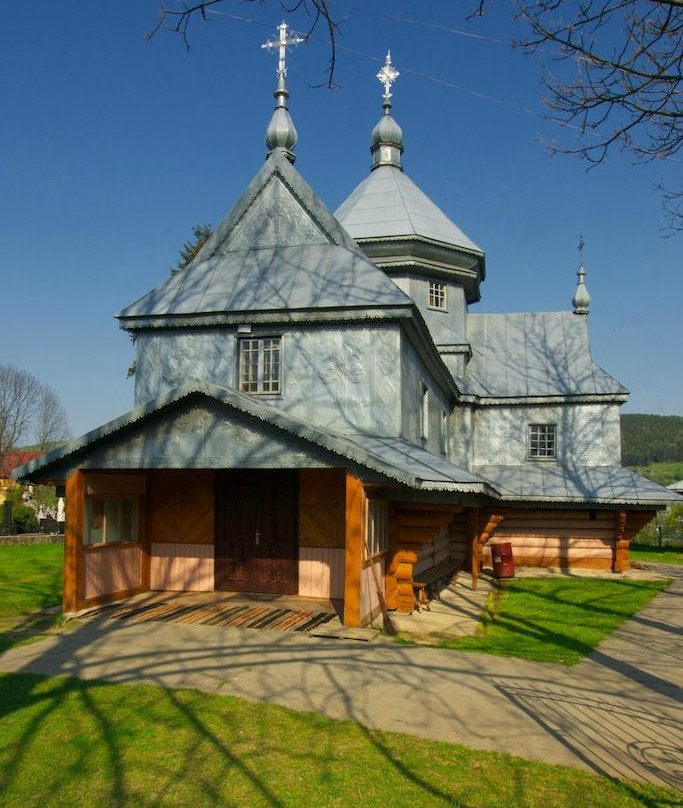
{"points": [[321, 572], [353, 554], [113, 569], [182, 567], [114, 483], [371, 577], [562, 539], [181, 506], [321, 508]]}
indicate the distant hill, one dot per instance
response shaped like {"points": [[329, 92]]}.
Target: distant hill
{"points": [[647, 439]]}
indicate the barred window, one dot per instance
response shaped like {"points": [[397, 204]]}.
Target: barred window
{"points": [[542, 441], [377, 526], [437, 296], [260, 365]]}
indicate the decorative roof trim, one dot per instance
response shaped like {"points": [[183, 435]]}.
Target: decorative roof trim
{"points": [[569, 398]]}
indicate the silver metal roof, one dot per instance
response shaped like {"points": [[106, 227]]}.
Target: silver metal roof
{"points": [[279, 248], [388, 204], [550, 482], [538, 354], [395, 458], [677, 487]]}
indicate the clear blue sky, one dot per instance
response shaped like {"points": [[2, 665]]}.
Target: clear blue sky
{"points": [[113, 147]]}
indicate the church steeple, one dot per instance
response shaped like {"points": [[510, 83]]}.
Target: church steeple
{"points": [[387, 136], [281, 133], [581, 300]]}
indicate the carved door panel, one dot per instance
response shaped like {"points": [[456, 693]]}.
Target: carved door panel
{"points": [[257, 546]]}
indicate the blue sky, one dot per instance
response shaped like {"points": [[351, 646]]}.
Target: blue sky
{"points": [[114, 146]]}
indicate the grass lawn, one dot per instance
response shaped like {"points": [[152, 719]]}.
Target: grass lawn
{"points": [[66, 743], [643, 552], [30, 580], [555, 620]]}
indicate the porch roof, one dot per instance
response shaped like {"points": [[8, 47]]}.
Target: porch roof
{"points": [[392, 458], [551, 482]]}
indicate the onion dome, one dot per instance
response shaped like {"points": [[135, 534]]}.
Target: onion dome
{"points": [[581, 300]]}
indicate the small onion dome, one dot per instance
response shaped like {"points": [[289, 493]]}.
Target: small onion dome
{"points": [[581, 300], [387, 141], [281, 133]]}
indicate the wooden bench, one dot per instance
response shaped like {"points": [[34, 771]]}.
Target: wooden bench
{"points": [[441, 572]]}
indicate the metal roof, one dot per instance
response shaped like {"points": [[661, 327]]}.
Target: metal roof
{"points": [[395, 458], [551, 482], [388, 204], [534, 354], [279, 248], [677, 487]]}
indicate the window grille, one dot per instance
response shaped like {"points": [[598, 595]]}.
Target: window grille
{"points": [[260, 365], [437, 296], [542, 441]]}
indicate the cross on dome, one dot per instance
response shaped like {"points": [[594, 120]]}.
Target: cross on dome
{"points": [[387, 76], [282, 43]]}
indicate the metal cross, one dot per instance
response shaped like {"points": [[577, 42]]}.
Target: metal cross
{"points": [[282, 43], [387, 76], [582, 244]]}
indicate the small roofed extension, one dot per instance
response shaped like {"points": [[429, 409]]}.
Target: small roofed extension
{"points": [[318, 413]]}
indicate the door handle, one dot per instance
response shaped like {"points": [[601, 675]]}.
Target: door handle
{"points": [[257, 538]]}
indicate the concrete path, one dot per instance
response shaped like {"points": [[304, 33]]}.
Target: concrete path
{"points": [[617, 713]]}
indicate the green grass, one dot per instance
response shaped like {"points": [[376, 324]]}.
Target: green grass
{"points": [[30, 580], [66, 743], [555, 620], [664, 473], [664, 555]]}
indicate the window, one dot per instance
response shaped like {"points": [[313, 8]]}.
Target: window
{"points": [[436, 298], [424, 413], [377, 527], [260, 365], [109, 520], [444, 433], [542, 441]]}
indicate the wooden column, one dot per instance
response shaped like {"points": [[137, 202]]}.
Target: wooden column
{"points": [[73, 543], [353, 549], [621, 561], [473, 539], [391, 591]]}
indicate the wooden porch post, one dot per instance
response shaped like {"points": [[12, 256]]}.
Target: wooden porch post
{"points": [[73, 543], [353, 552], [473, 536]]}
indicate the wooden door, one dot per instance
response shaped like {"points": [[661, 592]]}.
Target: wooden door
{"points": [[257, 545]]}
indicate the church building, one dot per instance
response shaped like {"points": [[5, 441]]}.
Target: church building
{"points": [[320, 412]]}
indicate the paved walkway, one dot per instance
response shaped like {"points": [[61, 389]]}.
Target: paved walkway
{"points": [[617, 713]]}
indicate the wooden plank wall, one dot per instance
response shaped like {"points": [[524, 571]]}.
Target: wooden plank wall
{"points": [[180, 567], [459, 538], [561, 539], [321, 572], [181, 506], [113, 569], [372, 576], [321, 507]]}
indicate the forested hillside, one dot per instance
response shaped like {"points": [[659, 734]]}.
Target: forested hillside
{"points": [[649, 439]]}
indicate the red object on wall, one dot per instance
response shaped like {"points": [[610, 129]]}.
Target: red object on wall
{"points": [[503, 562]]}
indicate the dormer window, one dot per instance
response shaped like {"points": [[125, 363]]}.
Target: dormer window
{"points": [[542, 441], [259, 369], [436, 298]]}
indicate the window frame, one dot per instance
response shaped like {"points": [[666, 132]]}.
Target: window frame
{"points": [[260, 380], [437, 296], [104, 540], [424, 412], [376, 528], [544, 449]]}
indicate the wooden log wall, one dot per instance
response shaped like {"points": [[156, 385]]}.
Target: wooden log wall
{"points": [[569, 538], [411, 525], [433, 552]]}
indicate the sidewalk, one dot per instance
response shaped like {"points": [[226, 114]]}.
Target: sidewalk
{"points": [[617, 713]]}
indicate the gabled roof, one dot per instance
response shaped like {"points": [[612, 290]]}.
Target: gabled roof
{"points": [[389, 204], [279, 248], [534, 355], [394, 458], [550, 482]]}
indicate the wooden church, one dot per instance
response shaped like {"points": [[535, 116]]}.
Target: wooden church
{"points": [[318, 412]]}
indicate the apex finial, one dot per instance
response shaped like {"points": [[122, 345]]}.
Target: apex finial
{"points": [[387, 137], [281, 133], [387, 76], [581, 300]]}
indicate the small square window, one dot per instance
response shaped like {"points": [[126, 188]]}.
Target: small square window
{"points": [[436, 298], [542, 441], [260, 365]]}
